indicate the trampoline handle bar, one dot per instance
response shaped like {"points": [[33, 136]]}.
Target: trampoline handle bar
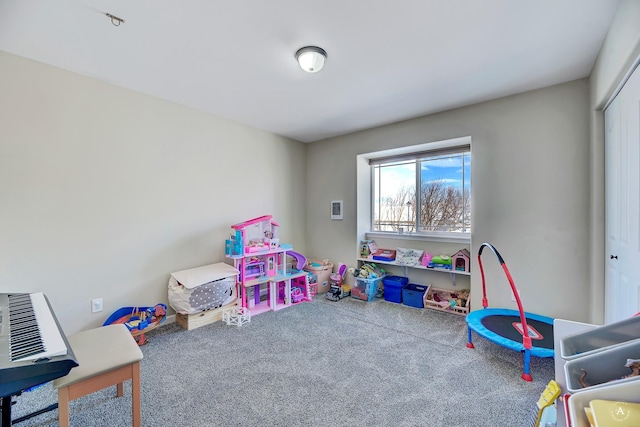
{"points": [[494, 250], [526, 339]]}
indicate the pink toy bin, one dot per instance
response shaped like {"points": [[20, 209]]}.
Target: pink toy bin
{"points": [[322, 270]]}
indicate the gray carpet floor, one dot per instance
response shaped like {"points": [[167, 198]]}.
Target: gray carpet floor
{"points": [[346, 363]]}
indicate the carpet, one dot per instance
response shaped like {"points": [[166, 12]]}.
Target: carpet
{"points": [[345, 363]]}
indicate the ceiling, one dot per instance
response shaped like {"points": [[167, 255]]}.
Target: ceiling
{"points": [[387, 60]]}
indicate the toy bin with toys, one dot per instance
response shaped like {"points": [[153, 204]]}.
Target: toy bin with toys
{"points": [[413, 295], [622, 397], [456, 302], [322, 270], [614, 365], [365, 289], [393, 288], [367, 281]]}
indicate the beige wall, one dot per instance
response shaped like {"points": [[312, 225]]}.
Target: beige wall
{"points": [[538, 182], [620, 52], [530, 180], [105, 191]]}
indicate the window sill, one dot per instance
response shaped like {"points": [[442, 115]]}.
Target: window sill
{"points": [[440, 237]]}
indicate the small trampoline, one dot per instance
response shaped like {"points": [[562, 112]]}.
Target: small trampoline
{"points": [[513, 329]]}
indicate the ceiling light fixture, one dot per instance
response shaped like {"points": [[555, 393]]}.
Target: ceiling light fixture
{"points": [[311, 58], [116, 21]]}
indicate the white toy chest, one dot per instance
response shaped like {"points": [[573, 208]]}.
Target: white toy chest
{"points": [[201, 289]]}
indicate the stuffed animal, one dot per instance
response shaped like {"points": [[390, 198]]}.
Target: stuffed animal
{"points": [[461, 297]]}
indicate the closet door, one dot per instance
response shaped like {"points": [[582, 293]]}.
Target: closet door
{"points": [[622, 211]]}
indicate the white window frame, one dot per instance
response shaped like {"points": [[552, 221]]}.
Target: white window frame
{"points": [[365, 195]]}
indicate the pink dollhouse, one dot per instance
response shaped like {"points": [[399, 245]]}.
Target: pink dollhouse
{"points": [[265, 281]]}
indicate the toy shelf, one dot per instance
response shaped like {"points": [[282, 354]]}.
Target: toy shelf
{"points": [[427, 302], [452, 273]]}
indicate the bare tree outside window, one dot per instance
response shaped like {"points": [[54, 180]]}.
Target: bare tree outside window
{"points": [[442, 203], [394, 212], [442, 207]]}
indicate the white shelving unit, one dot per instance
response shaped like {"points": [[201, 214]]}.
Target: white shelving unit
{"points": [[405, 268], [462, 310]]}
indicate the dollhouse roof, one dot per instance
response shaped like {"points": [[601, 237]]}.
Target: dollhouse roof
{"points": [[463, 253], [257, 220]]}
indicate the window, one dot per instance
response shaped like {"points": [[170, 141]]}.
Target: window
{"points": [[427, 192]]}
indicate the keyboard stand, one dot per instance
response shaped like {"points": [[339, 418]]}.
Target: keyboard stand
{"points": [[6, 412]]}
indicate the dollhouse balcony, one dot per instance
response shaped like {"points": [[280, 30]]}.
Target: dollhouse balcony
{"points": [[277, 278], [282, 248]]}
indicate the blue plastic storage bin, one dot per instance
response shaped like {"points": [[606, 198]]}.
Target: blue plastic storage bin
{"points": [[393, 288], [365, 289], [413, 295]]}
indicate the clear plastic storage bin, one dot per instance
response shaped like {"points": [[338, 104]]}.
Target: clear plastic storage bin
{"points": [[598, 339], [602, 368]]}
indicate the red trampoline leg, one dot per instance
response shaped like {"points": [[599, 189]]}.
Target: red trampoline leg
{"points": [[469, 343]]}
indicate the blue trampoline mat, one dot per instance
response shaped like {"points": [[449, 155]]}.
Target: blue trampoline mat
{"points": [[497, 325]]}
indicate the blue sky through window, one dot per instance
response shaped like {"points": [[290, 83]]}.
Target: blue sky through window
{"points": [[450, 169]]}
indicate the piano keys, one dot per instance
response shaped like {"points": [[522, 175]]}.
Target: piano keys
{"points": [[34, 334], [33, 347]]}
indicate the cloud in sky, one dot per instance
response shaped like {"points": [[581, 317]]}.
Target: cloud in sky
{"points": [[446, 169], [395, 178]]}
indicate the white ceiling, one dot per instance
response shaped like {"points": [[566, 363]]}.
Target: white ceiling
{"points": [[388, 60]]}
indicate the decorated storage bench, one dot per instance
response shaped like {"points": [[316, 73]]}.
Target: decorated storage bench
{"points": [[199, 295]]}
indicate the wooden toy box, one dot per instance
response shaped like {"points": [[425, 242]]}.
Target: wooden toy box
{"points": [[444, 295], [196, 320]]}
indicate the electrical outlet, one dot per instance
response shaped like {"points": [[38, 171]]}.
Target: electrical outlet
{"points": [[96, 305], [513, 297]]}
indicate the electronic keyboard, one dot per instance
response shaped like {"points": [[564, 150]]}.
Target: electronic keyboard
{"points": [[33, 347]]}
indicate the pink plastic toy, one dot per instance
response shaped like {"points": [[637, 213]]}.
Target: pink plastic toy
{"points": [[426, 259]]}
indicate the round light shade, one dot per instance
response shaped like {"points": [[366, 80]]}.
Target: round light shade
{"points": [[311, 58]]}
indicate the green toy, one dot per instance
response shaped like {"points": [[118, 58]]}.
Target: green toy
{"points": [[441, 259]]}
